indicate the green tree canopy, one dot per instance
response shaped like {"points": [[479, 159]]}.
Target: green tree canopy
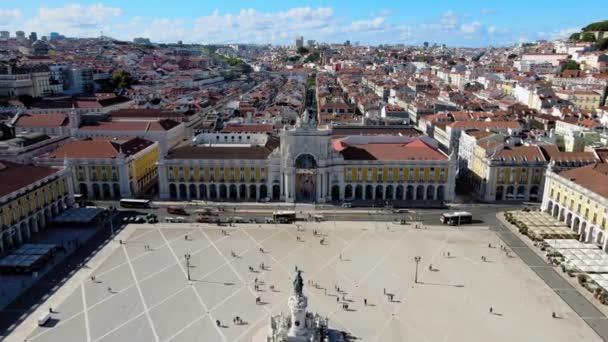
{"points": [[588, 37], [571, 65], [121, 79], [602, 44], [302, 50], [312, 58], [575, 36], [597, 26]]}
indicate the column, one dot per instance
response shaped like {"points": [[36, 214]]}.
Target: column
{"points": [[319, 185]]}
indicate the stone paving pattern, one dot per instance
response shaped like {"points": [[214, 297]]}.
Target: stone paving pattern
{"points": [[151, 299]]}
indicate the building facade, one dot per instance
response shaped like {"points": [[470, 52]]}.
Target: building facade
{"points": [[501, 173], [312, 164], [108, 168], [579, 198], [30, 197]]}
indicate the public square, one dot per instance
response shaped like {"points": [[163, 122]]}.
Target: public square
{"points": [[141, 292]]}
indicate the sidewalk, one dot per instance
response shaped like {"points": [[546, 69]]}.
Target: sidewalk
{"points": [[571, 280]]}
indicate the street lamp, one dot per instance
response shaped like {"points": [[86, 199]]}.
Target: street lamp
{"points": [[187, 257], [417, 260]]}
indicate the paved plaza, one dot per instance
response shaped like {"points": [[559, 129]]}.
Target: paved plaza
{"points": [[142, 294]]}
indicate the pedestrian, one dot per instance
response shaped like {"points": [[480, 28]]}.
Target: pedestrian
{"points": [[448, 254], [50, 310], [337, 299], [384, 291], [217, 321], [365, 301], [491, 309], [255, 280], [430, 267], [553, 314], [489, 245], [109, 289], [340, 256], [296, 268]]}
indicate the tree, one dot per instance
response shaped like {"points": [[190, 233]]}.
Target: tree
{"points": [[571, 65], [575, 37], [602, 44], [597, 26], [512, 56], [122, 79], [312, 58], [302, 50], [588, 37]]}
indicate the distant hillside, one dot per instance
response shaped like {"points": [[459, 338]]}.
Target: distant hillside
{"points": [[597, 26], [593, 33]]}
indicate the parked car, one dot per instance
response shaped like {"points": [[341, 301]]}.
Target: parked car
{"points": [[177, 211], [347, 205]]}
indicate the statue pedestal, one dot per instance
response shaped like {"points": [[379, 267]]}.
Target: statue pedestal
{"points": [[297, 306]]}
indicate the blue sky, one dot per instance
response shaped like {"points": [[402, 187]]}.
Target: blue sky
{"points": [[456, 23]]}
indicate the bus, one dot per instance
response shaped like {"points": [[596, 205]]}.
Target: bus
{"points": [[456, 218], [284, 216], [134, 203]]}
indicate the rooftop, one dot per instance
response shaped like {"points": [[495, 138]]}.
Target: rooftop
{"points": [[414, 150], [16, 176], [592, 177], [100, 148], [42, 120], [145, 126]]}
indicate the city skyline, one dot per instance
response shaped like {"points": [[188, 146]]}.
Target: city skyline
{"points": [[470, 23]]}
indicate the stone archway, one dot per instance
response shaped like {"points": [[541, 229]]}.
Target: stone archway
{"points": [[348, 192], [335, 193], [276, 192], [306, 174]]}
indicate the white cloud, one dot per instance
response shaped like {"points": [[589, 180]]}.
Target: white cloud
{"points": [[372, 24], [7, 16], [74, 19], [256, 26], [564, 33], [470, 28]]}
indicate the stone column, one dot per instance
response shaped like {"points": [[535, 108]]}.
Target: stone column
{"points": [[319, 186], [163, 184]]}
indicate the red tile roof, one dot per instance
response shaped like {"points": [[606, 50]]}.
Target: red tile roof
{"points": [[42, 120], [592, 177], [16, 176], [161, 125], [521, 153], [248, 129], [414, 150], [100, 148]]}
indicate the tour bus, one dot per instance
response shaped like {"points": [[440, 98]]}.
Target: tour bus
{"points": [[284, 216], [134, 203], [456, 218]]}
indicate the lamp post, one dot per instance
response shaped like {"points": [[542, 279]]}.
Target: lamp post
{"points": [[187, 257], [417, 260]]}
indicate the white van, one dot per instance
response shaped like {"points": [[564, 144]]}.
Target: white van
{"points": [[44, 319]]}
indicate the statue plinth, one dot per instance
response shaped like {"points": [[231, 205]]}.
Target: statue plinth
{"points": [[297, 305]]}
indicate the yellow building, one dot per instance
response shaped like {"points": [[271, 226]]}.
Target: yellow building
{"points": [[109, 167], [502, 173], [366, 170], [579, 197], [30, 196], [583, 99]]}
